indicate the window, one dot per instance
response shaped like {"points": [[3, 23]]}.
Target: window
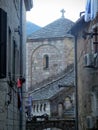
{"points": [[60, 109], [3, 37], [91, 10], [40, 107], [37, 108], [96, 103], [95, 40], [14, 59], [44, 107], [46, 62], [68, 103], [9, 51], [33, 108]]}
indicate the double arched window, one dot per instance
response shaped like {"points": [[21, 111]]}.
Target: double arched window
{"points": [[46, 62]]}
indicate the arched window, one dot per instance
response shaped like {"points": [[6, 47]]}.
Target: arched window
{"points": [[37, 108], [46, 62], [60, 109], [68, 103], [40, 107], [33, 108], [44, 107]]}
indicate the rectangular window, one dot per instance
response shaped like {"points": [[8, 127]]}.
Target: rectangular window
{"points": [[9, 51], [46, 62], [96, 103], [94, 99], [95, 40], [14, 59], [3, 37]]}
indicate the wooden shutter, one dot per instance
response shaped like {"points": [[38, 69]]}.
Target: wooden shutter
{"points": [[3, 34]]}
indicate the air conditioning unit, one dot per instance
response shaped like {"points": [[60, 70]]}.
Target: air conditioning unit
{"points": [[89, 60], [90, 122], [96, 60]]}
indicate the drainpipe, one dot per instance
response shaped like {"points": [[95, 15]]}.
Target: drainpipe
{"points": [[76, 82], [21, 65]]}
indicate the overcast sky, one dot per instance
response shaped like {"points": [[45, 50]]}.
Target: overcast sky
{"points": [[46, 11]]}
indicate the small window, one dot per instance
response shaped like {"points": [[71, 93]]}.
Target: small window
{"points": [[33, 108], [95, 40], [37, 107], [96, 103], [68, 103], [46, 62], [60, 109], [44, 107], [41, 107], [14, 59], [9, 50]]}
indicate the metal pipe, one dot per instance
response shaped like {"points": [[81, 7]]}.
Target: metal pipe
{"points": [[21, 64], [76, 83]]}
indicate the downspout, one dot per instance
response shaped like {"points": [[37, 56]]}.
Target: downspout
{"points": [[76, 82], [21, 65]]}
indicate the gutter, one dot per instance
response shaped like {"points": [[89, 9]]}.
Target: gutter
{"points": [[21, 64], [74, 31], [76, 83], [28, 5]]}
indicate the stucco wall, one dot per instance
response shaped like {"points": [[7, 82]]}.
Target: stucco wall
{"points": [[9, 112]]}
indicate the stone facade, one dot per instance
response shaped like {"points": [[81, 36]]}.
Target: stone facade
{"points": [[60, 54], [48, 51], [87, 81], [10, 118]]}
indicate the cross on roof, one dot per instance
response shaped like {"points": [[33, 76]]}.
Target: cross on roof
{"points": [[62, 11]]}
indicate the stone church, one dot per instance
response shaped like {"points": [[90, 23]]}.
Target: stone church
{"points": [[49, 51], [50, 71]]}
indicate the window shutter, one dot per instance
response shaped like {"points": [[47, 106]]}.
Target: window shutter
{"points": [[3, 34]]}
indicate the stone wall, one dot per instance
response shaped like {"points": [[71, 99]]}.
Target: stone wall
{"points": [[60, 54], [87, 80]]}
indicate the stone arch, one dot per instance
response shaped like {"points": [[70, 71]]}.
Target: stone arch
{"points": [[44, 45]]}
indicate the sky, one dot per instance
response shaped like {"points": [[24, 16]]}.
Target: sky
{"points": [[47, 11]]}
